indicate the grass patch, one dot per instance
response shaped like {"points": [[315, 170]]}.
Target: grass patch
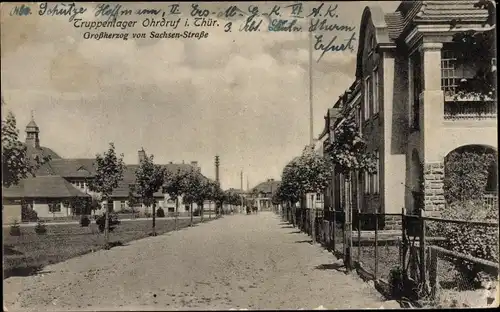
{"points": [[28, 253]]}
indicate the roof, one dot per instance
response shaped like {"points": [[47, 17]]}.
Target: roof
{"points": [[43, 187], [40, 152], [129, 178], [268, 187], [32, 124], [237, 191], [69, 168]]}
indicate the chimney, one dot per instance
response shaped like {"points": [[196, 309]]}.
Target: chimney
{"points": [[142, 155]]}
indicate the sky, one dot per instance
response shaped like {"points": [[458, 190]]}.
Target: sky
{"points": [[241, 95]]}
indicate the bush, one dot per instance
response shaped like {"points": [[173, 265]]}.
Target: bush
{"points": [[28, 214], [40, 227], [84, 221], [15, 229], [113, 222], [160, 213], [473, 240], [396, 281], [466, 174], [197, 212], [147, 214]]}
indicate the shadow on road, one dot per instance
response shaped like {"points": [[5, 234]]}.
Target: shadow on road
{"points": [[10, 251], [305, 241], [22, 271], [295, 232], [287, 227], [332, 266], [115, 244]]}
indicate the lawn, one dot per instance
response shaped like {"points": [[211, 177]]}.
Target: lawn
{"points": [[28, 253]]}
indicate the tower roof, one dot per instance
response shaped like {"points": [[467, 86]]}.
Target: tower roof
{"points": [[32, 126]]}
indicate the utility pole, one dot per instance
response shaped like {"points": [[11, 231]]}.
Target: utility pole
{"points": [[311, 133], [217, 178], [241, 186]]}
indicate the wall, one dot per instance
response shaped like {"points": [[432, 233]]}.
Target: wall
{"points": [[394, 121], [41, 206], [11, 212]]}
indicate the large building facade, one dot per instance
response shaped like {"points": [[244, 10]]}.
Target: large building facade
{"points": [[52, 193], [407, 109]]}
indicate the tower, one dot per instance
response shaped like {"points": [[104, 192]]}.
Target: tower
{"points": [[32, 133]]}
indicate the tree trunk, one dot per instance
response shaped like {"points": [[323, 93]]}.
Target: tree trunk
{"points": [[106, 225], [154, 219], [210, 210], [201, 212], [191, 210], [176, 212], [313, 219], [348, 224]]}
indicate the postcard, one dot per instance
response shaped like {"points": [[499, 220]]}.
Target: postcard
{"points": [[270, 155]]}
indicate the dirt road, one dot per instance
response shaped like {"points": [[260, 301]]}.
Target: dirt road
{"points": [[237, 262]]}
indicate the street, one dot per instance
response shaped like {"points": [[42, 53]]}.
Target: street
{"points": [[236, 262]]}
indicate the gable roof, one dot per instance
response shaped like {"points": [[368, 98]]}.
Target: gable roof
{"points": [[43, 187], [267, 187]]}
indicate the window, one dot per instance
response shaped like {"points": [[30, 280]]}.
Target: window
{"points": [[449, 78], [319, 197], [123, 204], [376, 175], [367, 182], [375, 92], [368, 97], [360, 121], [415, 88], [54, 207], [170, 209]]}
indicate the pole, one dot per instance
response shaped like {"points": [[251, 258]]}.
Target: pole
{"points": [[241, 186], [310, 91], [106, 224], [154, 219]]}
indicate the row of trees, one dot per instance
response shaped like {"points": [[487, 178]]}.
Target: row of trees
{"points": [[311, 173], [151, 178]]}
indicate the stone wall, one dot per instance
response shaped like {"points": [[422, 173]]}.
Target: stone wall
{"points": [[433, 188], [392, 222]]}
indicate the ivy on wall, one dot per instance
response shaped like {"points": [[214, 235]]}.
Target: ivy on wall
{"points": [[466, 174]]}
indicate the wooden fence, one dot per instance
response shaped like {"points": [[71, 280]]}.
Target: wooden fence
{"points": [[411, 249]]}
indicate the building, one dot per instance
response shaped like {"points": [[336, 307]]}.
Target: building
{"points": [[59, 181], [406, 105], [263, 194]]}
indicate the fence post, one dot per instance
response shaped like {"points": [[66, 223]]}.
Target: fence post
{"points": [[376, 246], [432, 268], [403, 240], [422, 249], [334, 229]]}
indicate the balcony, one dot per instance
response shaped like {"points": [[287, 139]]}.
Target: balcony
{"points": [[474, 109]]}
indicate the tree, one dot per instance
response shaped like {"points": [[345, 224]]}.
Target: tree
{"points": [[16, 165], [174, 186], [348, 154], [313, 174], [132, 199], [195, 191], [149, 180], [109, 173]]}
